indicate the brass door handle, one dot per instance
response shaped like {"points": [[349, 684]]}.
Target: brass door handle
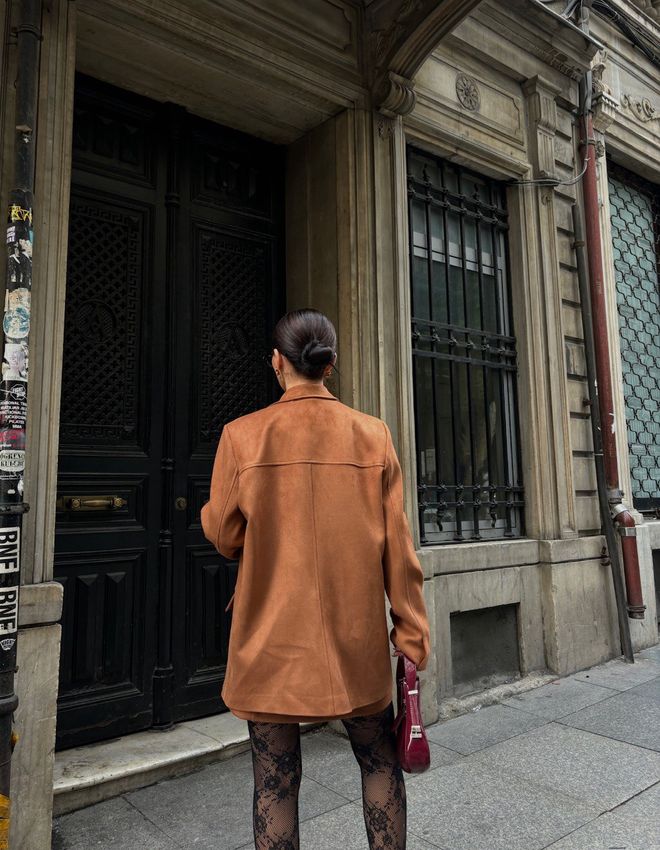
{"points": [[90, 503]]}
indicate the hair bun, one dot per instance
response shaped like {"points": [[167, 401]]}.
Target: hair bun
{"points": [[316, 353]]}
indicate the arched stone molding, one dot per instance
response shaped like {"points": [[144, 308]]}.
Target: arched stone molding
{"points": [[401, 37]]}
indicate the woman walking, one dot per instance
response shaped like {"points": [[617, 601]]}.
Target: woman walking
{"points": [[307, 493]]}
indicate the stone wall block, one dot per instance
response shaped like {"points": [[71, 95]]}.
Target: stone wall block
{"points": [[33, 759], [580, 616], [520, 586], [645, 632]]}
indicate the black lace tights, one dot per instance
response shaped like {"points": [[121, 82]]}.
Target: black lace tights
{"points": [[278, 771]]}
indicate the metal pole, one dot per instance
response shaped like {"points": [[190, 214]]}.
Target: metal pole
{"points": [[14, 383], [622, 517], [597, 433]]}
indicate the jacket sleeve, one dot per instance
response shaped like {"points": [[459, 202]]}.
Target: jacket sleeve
{"points": [[403, 574], [222, 520]]}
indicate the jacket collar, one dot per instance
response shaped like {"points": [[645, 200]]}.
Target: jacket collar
{"points": [[306, 391]]}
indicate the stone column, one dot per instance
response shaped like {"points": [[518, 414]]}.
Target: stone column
{"points": [[548, 472], [392, 285], [395, 387], [329, 252], [41, 599]]}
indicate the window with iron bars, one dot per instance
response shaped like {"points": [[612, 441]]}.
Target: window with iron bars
{"points": [[464, 355]]}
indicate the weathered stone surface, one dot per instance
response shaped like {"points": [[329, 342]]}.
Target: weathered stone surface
{"points": [[87, 775], [477, 730], [619, 675], [115, 825], [627, 716], [558, 699], [40, 604], [219, 811], [32, 762], [632, 826], [575, 763], [466, 806], [329, 759]]}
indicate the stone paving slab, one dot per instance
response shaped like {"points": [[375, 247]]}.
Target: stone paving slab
{"points": [[520, 776], [212, 809], [580, 764], [559, 698], [476, 730], [328, 759], [86, 775], [635, 825], [113, 825], [627, 717], [648, 689], [620, 675], [343, 829], [652, 652], [465, 806]]}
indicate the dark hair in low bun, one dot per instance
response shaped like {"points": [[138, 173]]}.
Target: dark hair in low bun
{"points": [[307, 338]]}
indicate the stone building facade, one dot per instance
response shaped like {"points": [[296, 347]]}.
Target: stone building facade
{"points": [[407, 167]]}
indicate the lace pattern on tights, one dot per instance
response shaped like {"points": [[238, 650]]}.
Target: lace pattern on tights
{"points": [[277, 767]]}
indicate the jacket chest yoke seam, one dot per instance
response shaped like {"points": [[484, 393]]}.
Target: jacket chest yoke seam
{"points": [[309, 462], [318, 587]]}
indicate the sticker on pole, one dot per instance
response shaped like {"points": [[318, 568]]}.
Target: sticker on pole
{"points": [[8, 611], [10, 550], [12, 460], [13, 405]]}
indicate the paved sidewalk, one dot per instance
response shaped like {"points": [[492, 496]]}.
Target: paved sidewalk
{"points": [[573, 765]]}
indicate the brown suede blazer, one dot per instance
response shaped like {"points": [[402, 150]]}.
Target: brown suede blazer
{"points": [[307, 494]]}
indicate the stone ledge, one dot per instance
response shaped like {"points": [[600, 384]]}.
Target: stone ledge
{"points": [[455, 706], [500, 554], [571, 549], [40, 604], [653, 526], [87, 775], [472, 557]]}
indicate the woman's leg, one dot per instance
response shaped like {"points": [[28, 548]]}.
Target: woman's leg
{"points": [[277, 773], [383, 789]]}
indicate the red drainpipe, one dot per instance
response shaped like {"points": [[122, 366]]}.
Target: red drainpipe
{"points": [[620, 514]]}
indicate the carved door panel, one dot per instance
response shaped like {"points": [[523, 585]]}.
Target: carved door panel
{"points": [[171, 293], [110, 442], [228, 296]]}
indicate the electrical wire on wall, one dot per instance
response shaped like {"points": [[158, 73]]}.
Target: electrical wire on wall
{"points": [[551, 182], [626, 25], [632, 29]]}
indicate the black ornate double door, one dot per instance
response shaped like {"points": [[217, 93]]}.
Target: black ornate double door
{"points": [[172, 289]]}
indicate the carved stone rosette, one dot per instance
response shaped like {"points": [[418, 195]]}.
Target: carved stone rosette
{"points": [[467, 92]]}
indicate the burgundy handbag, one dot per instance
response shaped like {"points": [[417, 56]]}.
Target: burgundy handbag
{"points": [[412, 745]]}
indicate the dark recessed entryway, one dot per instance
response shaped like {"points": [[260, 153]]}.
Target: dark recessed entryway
{"points": [[173, 286]]}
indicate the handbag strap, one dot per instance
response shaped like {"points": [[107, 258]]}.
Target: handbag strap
{"points": [[406, 669]]}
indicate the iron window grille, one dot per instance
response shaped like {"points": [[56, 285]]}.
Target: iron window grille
{"points": [[464, 355], [635, 221]]}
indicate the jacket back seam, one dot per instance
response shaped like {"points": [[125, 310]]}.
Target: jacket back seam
{"points": [[318, 589]]}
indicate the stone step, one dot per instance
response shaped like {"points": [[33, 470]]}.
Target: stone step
{"points": [[86, 775]]}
